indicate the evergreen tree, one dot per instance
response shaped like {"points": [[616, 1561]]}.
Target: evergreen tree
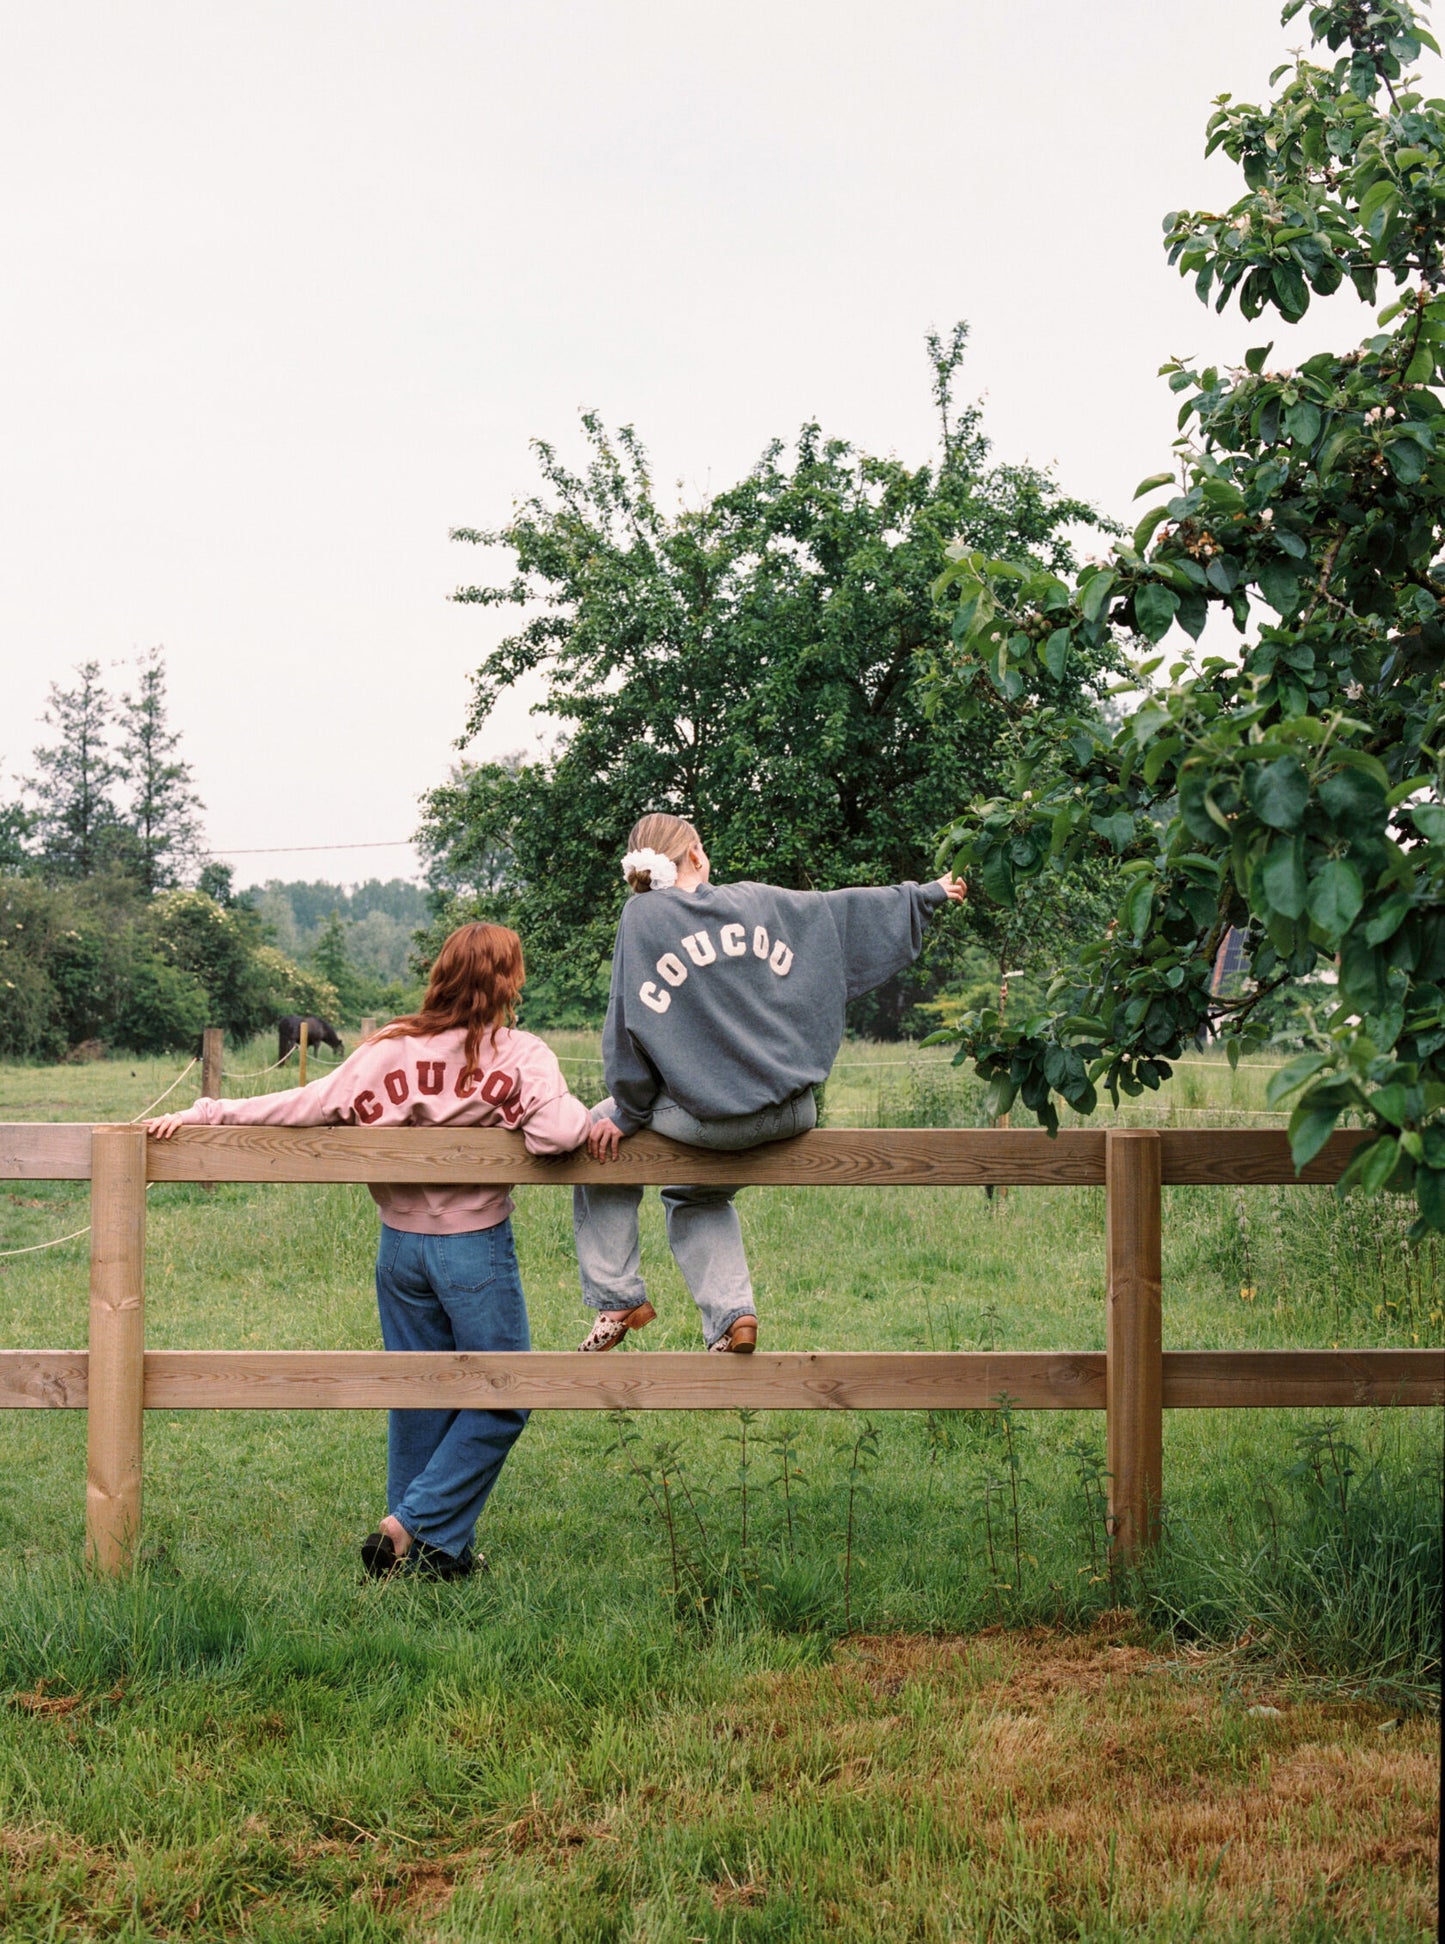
{"points": [[16, 824], [330, 957], [75, 820], [164, 808]]}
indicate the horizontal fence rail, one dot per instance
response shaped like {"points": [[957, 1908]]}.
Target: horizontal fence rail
{"points": [[1134, 1380], [833, 1157], [656, 1380]]}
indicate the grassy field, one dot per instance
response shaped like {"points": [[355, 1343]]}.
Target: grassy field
{"points": [[959, 1728]]}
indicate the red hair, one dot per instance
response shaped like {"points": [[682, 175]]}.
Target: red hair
{"points": [[474, 982]]}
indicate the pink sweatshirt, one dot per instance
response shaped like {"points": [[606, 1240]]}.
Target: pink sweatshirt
{"points": [[418, 1083]]}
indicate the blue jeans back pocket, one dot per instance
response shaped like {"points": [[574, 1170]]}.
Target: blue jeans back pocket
{"points": [[469, 1261]]}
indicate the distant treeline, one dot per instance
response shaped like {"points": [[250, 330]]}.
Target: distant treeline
{"points": [[378, 920]]}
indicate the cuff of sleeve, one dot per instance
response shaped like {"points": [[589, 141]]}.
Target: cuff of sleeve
{"points": [[933, 895], [628, 1123]]}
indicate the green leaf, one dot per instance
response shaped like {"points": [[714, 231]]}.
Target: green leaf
{"points": [[1144, 532], [1353, 801], [997, 876], [1421, 368], [1394, 1103], [1429, 820], [1154, 609], [1292, 1075], [1092, 600], [1335, 896], [1278, 792], [1055, 653], [1138, 905], [1283, 876], [1155, 479], [1302, 422], [1430, 1191], [1309, 1129], [1118, 829], [1254, 360], [1279, 586], [1378, 1164], [1407, 460], [1389, 918], [1193, 613]]}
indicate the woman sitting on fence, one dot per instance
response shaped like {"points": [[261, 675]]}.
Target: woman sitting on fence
{"points": [[727, 1009], [446, 1271]]}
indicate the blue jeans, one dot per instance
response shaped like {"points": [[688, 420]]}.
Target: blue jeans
{"points": [[703, 1231], [448, 1292]]}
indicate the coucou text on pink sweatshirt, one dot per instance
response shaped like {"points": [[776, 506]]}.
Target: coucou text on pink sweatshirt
{"points": [[419, 1082]]}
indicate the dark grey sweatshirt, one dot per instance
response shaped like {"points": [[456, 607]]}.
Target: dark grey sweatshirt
{"points": [[730, 998]]}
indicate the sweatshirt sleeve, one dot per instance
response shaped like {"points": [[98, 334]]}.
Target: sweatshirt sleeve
{"points": [[880, 929], [554, 1120], [323, 1103], [631, 1078]]}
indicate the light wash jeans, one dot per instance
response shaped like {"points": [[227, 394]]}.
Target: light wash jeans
{"points": [[703, 1231], [448, 1292]]}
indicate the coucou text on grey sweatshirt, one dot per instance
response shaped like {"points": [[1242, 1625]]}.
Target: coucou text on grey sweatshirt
{"points": [[730, 998]]}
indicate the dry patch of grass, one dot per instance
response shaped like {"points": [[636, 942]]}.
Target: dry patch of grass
{"points": [[1089, 1751]]}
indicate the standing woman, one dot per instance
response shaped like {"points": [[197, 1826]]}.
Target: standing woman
{"points": [[727, 1009], [446, 1270]]}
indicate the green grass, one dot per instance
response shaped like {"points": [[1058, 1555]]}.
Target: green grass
{"points": [[246, 1740]]}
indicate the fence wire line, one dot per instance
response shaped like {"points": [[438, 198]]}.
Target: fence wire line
{"points": [[75, 1234], [167, 1094], [227, 1075]]}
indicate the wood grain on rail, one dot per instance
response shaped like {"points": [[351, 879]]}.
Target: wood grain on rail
{"points": [[342, 1380], [1316, 1379], [297, 1379], [45, 1150], [833, 1157], [1205, 1155], [43, 1380]]}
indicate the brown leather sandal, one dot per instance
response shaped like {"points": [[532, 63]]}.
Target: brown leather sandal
{"points": [[608, 1331], [741, 1338]]}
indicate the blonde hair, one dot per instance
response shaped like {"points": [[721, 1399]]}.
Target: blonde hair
{"points": [[660, 831]]}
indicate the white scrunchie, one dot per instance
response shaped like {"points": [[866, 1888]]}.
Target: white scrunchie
{"points": [[663, 870]]}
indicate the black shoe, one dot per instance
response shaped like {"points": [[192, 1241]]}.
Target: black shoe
{"points": [[378, 1555], [430, 1562]]}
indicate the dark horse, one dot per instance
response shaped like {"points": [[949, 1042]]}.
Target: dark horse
{"points": [[317, 1032]]}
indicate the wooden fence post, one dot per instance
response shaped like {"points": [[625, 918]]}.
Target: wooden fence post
{"points": [[301, 1074], [1134, 1381], [212, 1041], [116, 1377]]}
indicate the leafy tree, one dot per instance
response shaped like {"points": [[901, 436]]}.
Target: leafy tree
{"points": [[75, 818], [247, 983], [164, 810], [756, 662], [218, 882], [1293, 787]]}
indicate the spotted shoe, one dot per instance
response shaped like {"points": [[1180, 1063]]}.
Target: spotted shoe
{"points": [[608, 1331]]}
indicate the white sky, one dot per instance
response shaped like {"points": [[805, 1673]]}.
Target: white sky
{"points": [[288, 288]]}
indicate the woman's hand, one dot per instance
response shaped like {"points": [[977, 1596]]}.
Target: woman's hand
{"points": [[603, 1140], [955, 887], [164, 1125]]}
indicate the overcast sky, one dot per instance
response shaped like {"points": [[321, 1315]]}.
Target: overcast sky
{"points": [[288, 289]]}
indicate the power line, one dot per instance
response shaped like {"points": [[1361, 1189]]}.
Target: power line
{"points": [[275, 850]]}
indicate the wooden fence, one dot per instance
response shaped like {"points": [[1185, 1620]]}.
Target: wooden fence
{"points": [[1134, 1381]]}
